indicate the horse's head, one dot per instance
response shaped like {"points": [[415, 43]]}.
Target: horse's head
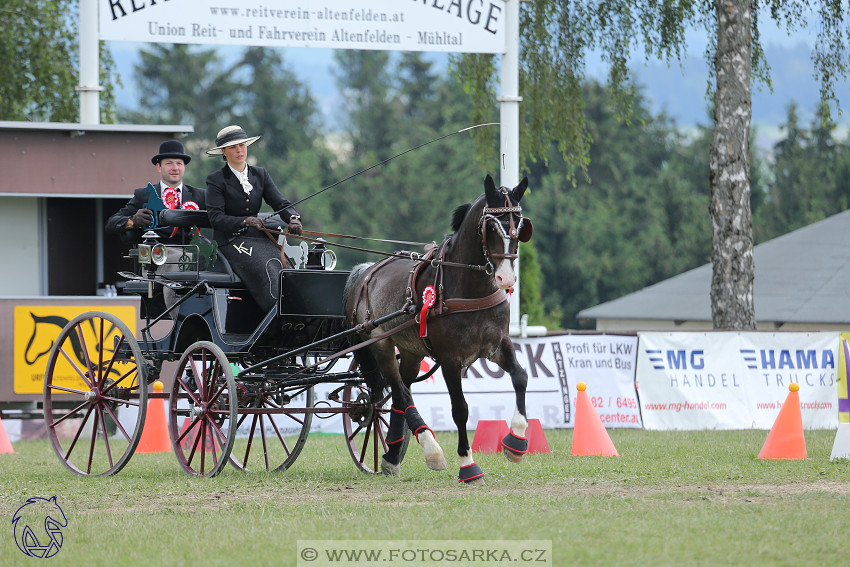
{"points": [[502, 228]]}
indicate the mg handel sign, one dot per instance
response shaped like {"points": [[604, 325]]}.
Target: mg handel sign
{"points": [[464, 26], [735, 380]]}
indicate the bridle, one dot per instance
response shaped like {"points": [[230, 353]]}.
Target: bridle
{"points": [[515, 231]]}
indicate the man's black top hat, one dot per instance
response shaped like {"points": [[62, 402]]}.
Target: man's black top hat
{"points": [[171, 149]]}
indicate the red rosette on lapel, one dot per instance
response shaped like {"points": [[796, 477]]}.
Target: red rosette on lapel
{"points": [[171, 198]]}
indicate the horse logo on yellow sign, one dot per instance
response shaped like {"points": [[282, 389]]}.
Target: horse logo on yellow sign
{"points": [[36, 330]]}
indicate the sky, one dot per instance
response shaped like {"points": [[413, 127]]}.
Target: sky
{"points": [[679, 89]]}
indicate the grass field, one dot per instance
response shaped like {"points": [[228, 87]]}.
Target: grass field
{"points": [[671, 498]]}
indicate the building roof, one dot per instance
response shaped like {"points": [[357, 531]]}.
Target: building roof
{"points": [[800, 277]]}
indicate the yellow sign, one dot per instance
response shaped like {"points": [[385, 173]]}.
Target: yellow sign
{"points": [[38, 326]]}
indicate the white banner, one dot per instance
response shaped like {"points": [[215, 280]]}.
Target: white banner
{"points": [[606, 363], [730, 380], [460, 26]]}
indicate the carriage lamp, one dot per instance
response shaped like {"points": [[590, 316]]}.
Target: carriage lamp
{"points": [[144, 254], [159, 254]]}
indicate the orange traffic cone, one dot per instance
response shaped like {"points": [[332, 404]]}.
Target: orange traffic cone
{"points": [[5, 443], [537, 442], [786, 439], [589, 435], [155, 434], [187, 442], [488, 436]]}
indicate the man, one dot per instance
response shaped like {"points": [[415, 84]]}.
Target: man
{"points": [[134, 218]]}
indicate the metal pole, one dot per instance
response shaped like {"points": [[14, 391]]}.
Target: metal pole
{"points": [[509, 100], [89, 88]]}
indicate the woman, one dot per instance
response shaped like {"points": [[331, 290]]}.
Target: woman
{"points": [[235, 194]]}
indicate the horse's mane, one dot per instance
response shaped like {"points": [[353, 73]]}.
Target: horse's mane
{"points": [[461, 212]]}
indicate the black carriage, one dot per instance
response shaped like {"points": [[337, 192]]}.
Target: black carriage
{"points": [[243, 388]]}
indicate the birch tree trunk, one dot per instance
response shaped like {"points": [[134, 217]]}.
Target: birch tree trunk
{"points": [[732, 305]]}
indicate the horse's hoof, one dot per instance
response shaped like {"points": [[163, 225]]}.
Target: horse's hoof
{"points": [[471, 474], [389, 469], [511, 456], [514, 447], [436, 462]]}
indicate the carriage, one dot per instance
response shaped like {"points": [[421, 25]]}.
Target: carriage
{"points": [[242, 389]]}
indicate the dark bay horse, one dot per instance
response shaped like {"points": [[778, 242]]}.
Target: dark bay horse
{"points": [[466, 277]]}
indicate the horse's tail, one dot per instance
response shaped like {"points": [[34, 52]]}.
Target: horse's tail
{"points": [[371, 372]]}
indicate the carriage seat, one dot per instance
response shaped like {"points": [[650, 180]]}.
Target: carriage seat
{"points": [[220, 274]]}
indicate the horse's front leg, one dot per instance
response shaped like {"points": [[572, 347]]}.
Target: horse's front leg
{"points": [[470, 472], [515, 443]]}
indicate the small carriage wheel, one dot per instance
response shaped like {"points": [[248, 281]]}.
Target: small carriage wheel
{"points": [[203, 410], [273, 444], [365, 426], [95, 372]]}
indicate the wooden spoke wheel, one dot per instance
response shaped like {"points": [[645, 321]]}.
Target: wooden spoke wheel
{"points": [[272, 425], [203, 410], [365, 425], [95, 394]]}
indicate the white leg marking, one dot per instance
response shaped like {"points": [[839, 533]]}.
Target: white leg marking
{"points": [[466, 461], [434, 457], [518, 424]]}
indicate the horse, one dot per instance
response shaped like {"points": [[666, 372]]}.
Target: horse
{"points": [[460, 293]]}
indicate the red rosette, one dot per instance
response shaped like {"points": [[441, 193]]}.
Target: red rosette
{"points": [[187, 206], [170, 198], [429, 296]]}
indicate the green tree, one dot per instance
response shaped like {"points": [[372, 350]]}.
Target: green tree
{"points": [[810, 178], [642, 219], [180, 84], [371, 110], [555, 37], [274, 103], [39, 48]]}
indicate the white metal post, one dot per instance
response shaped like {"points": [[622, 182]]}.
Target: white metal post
{"points": [[89, 88], [509, 100]]}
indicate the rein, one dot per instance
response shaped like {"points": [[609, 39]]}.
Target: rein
{"points": [[404, 254]]}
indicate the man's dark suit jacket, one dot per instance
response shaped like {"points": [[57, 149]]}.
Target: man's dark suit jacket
{"points": [[115, 223], [228, 205]]}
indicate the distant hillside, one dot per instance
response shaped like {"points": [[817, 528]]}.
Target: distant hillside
{"points": [[680, 91]]}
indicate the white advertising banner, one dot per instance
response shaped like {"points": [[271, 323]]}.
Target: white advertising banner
{"points": [[461, 26], [606, 363], [731, 380]]}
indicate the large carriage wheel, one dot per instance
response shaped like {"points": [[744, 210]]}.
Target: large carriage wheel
{"points": [[95, 394], [202, 416], [274, 436], [365, 425]]}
